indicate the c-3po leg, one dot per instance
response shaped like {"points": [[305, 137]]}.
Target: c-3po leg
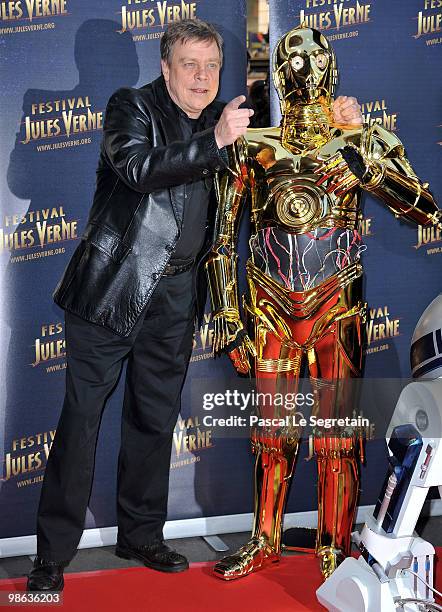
{"points": [[337, 496], [336, 360], [277, 367]]}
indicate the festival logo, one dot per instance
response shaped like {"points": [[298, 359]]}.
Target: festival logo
{"points": [[21, 16], [37, 234], [203, 340], [380, 327], [377, 111], [430, 238], [27, 457], [50, 348], [153, 17], [189, 437], [59, 124], [429, 23], [341, 15]]}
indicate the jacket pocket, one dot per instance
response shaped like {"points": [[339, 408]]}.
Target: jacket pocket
{"points": [[107, 241]]}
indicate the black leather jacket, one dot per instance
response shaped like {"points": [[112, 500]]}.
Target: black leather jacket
{"points": [[137, 212]]}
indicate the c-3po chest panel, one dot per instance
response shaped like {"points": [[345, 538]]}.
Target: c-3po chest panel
{"points": [[289, 190]]}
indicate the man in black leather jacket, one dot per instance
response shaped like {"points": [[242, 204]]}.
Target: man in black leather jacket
{"points": [[130, 290]]}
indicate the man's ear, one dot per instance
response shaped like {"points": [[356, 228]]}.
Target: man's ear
{"points": [[165, 70]]}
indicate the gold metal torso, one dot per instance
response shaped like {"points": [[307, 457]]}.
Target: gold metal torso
{"points": [[283, 182]]}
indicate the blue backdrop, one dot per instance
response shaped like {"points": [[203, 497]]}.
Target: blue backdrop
{"points": [[58, 70]]}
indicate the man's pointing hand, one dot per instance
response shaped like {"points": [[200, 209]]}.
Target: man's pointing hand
{"points": [[233, 122]]}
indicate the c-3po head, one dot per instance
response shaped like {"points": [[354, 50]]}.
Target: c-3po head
{"points": [[304, 69]]}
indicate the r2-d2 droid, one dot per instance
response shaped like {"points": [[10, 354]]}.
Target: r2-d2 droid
{"points": [[395, 569]]}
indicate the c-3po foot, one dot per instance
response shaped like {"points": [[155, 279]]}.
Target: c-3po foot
{"points": [[251, 557], [329, 559]]}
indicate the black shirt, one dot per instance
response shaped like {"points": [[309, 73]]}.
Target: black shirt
{"points": [[196, 202]]}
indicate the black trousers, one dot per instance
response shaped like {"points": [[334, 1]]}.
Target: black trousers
{"points": [[158, 351]]}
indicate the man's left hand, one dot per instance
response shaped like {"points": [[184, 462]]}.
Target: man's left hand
{"points": [[347, 111]]}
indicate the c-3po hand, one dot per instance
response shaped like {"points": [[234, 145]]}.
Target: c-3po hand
{"points": [[231, 338], [342, 171]]}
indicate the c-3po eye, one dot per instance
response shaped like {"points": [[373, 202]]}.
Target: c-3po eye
{"points": [[297, 62], [321, 60]]}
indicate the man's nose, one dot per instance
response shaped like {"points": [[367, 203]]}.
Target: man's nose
{"points": [[202, 73]]}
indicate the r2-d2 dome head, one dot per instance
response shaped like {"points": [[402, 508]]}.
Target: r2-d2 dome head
{"points": [[426, 344]]}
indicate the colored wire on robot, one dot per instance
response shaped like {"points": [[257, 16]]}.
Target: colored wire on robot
{"points": [[266, 247]]}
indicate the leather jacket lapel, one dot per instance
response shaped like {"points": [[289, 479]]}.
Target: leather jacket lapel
{"points": [[168, 115]]}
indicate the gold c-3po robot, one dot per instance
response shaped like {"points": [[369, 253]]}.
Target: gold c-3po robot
{"points": [[303, 183]]}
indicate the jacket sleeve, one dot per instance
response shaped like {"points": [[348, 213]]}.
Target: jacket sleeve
{"points": [[144, 167]]}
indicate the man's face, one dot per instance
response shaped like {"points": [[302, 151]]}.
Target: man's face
{"points": [[192, 77]]}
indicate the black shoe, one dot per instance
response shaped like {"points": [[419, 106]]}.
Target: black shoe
{"points": [[46, 575], [157, 556]]}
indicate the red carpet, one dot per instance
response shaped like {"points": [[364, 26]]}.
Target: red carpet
{"points": [[287, 586]]}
